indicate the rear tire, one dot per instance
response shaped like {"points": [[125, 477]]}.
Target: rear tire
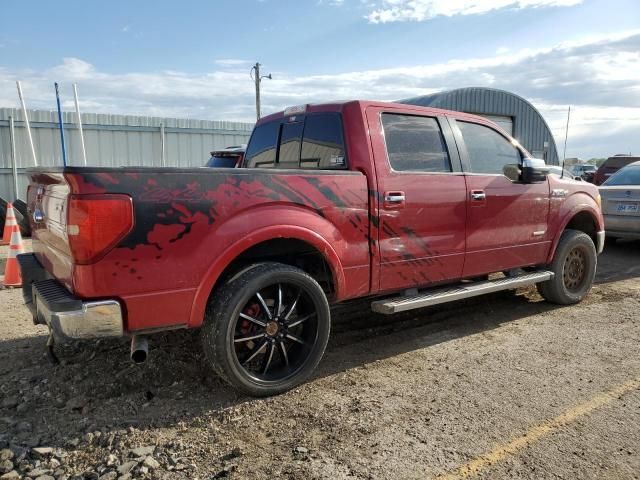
{"points": [[574, 267], [266, 329]]}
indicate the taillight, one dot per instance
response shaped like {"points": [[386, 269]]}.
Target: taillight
{"points": [[96, 223]]}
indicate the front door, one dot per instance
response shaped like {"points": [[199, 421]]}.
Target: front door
{"points": [[421, 197], [506, 220]]}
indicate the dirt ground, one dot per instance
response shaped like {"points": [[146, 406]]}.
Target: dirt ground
{"points": [[498, 387]]}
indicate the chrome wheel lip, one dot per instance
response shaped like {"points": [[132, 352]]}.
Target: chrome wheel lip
{"points": [[273, 345]]}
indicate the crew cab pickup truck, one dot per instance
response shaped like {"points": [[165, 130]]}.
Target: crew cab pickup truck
{"points": [[408, 206]]}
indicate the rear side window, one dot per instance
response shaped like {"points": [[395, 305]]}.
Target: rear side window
{"points": [[312, 141], [415, 143], [488, 151]]}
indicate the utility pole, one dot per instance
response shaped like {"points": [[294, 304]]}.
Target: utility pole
{"points": [[255, 75]]}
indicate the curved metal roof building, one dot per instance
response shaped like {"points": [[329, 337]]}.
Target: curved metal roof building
{"points": [[511, 112]]}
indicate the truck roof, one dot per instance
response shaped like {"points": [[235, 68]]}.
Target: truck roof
{"points": [[340, 105]]}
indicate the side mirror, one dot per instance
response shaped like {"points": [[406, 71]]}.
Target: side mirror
{"points": [[534, 170], [512, 172]]}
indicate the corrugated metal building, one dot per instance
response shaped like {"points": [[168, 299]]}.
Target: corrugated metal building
{"points": [[511, 112], [112, 141]]}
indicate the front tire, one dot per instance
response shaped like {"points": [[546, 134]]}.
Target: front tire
{"points": [[266, 329], [574, 268]]}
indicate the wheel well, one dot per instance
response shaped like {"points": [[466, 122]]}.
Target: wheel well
{"points": [[290, 251], [584, 222]]}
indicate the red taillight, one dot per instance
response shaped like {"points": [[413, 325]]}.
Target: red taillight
{"points": [[96, 223]]}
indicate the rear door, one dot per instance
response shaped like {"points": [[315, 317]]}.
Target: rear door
{"points": [[506, 220], [422, 198]]}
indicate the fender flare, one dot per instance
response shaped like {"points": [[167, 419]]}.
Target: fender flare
{"points": [[579, 208], [261, 235]]}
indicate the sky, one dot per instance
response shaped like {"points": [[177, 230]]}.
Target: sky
{"points": [[192, 58]]}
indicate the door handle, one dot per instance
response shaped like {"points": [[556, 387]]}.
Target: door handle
{"points": [[396, 197], [478, 196]]}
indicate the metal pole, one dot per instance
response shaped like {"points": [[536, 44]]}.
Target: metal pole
{"points": [[566, 136], [75, 96], [64, 150], [257, 80], [14, 159], [162, 140], [566, 133], [26, 123]]}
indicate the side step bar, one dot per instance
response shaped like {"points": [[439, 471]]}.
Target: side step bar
{"points": [[450, 294]]}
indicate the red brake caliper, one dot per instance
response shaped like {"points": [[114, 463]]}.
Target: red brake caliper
{"points": [[246, 327]]}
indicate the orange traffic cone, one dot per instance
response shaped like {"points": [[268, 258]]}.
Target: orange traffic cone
{"points": [[9, 223], [12, 274]]}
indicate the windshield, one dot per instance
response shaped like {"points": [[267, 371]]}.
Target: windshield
{"points": [[626, 176], [618, 162], [224, 162]]}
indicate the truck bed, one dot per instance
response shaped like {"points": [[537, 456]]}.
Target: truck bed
{"points": [[185, 223]]}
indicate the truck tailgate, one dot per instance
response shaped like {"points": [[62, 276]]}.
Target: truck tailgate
{"points": [[47, 204]]}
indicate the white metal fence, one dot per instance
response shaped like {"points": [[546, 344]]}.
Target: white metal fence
{"points": [[111, 141]]}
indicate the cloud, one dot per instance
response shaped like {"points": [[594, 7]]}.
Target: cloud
{"points": [[421, 10], [598, 76], [231, 62]]}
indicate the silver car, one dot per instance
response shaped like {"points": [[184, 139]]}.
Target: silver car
{"points": [[621, 203]]}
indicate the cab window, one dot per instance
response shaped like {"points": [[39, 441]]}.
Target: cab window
{"points": [[323, 142], [310, 141], [261, 151], [289, 149], [415, 144], [488, 151]]}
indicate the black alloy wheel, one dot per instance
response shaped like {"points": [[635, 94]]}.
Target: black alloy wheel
{"points": [[266, 329], [274, 331]]}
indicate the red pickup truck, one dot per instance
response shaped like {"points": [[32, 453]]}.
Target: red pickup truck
{"points": [[407, 205]]}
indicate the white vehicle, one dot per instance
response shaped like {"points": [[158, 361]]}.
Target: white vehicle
{"points": [[621, 203]]}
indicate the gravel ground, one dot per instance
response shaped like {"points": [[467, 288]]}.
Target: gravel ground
{"points": [[503, 386]]}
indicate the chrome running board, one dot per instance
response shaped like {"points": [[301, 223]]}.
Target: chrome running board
{"points": [[465, 290]]}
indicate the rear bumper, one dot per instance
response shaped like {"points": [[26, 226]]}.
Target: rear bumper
{"points": [[68, 317], [625, 235], [622, 226]]}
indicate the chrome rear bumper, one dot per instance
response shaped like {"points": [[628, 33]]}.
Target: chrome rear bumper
{"points": [[91, 320], [67, 316]]}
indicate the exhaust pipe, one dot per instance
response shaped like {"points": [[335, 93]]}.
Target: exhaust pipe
{"points": [[139, 348]]}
